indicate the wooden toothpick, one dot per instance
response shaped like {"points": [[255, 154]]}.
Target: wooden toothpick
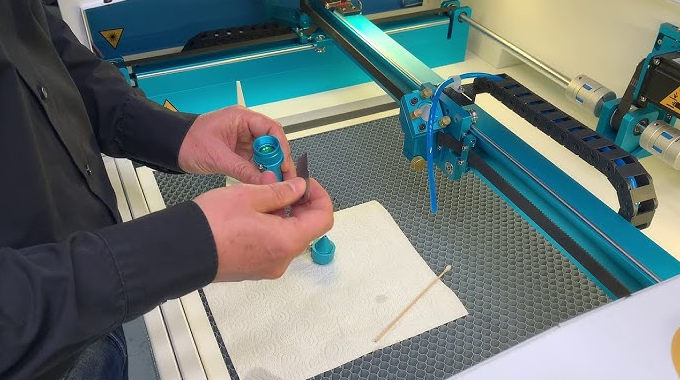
{"points": [[403, 312]]}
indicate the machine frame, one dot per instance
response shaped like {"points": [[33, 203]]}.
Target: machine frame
{"points": [[476, 139]]}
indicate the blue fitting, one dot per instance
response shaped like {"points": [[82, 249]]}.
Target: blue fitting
{"points": [[268, 155], [323, 250]]}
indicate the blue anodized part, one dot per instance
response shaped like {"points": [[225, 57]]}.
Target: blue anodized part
{"points": [[452, 164], [323, 251], [627, 138], [413, 119], [267, 155], [414, 128], [667, 41], [288, 12]]}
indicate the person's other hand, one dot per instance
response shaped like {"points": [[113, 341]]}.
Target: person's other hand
{"points": [[253, 240], [222, 142]]}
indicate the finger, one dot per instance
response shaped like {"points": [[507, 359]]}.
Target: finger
{"points": [[243, 170], [314, 218], [279, 268], [318, 198], [288, 166], [275, 196], [292, 242], [290, 169], [268, 177]]}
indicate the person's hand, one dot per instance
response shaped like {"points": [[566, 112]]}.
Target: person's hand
{"points": [[222, 142], [253, 240]]}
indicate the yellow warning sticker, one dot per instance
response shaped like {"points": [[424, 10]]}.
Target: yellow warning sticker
{"points": [[169, 106], [675, 351], [112, 36], [672, 101]]}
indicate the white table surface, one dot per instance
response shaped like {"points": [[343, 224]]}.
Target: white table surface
{"points": [[629, 339]]}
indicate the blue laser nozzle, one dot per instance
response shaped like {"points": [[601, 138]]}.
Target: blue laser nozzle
{"points": [[323, 250], [268, 155]]}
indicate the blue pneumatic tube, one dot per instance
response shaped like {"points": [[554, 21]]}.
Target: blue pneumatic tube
{"points": [[268, 155]]}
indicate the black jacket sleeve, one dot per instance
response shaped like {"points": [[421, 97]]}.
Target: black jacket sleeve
{"points": [[67, 277], [125, 123], [57, 298]]}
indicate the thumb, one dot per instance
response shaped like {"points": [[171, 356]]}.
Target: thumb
{"points": [[275, 196], [267, 178]]}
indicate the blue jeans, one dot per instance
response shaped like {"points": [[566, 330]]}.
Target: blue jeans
{"points": [[105, 359]]}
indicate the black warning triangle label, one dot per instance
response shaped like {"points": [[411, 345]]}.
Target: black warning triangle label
{"points": [[672, 101], [112, 36], [169, 105]]}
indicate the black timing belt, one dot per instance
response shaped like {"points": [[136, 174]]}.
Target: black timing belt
{"points": [[637, 203], [562, 238], [627, 100]]}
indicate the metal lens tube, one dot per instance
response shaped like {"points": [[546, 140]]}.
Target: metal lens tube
{"points": [[267, 155], [661, 139]]}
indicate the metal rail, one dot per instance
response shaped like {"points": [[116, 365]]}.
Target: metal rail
{"points": [[227, 61], [566, 204], [392, 66], [379, 52], [555, 75]]}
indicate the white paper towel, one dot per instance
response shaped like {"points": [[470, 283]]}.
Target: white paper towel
{"points": [[316, 318]]}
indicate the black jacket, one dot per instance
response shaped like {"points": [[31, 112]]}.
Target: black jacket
{"points": [[68, 273]]}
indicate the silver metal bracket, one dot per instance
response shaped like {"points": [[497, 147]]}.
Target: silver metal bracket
{"points": [[452, 164], [461, 166], [345, 8]]}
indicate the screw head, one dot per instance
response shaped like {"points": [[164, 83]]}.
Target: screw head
{"points": [[656, 61], [474, 115], [640, 127], [426, 93], [449, 167], [418, 163], [444, 121]]}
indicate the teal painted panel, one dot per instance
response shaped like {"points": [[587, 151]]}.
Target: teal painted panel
{"points": [[290, 75], [151, 25], [263, 80]]}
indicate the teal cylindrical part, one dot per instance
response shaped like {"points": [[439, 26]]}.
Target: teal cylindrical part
{"points": [[268, 155], [323, 250]]}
